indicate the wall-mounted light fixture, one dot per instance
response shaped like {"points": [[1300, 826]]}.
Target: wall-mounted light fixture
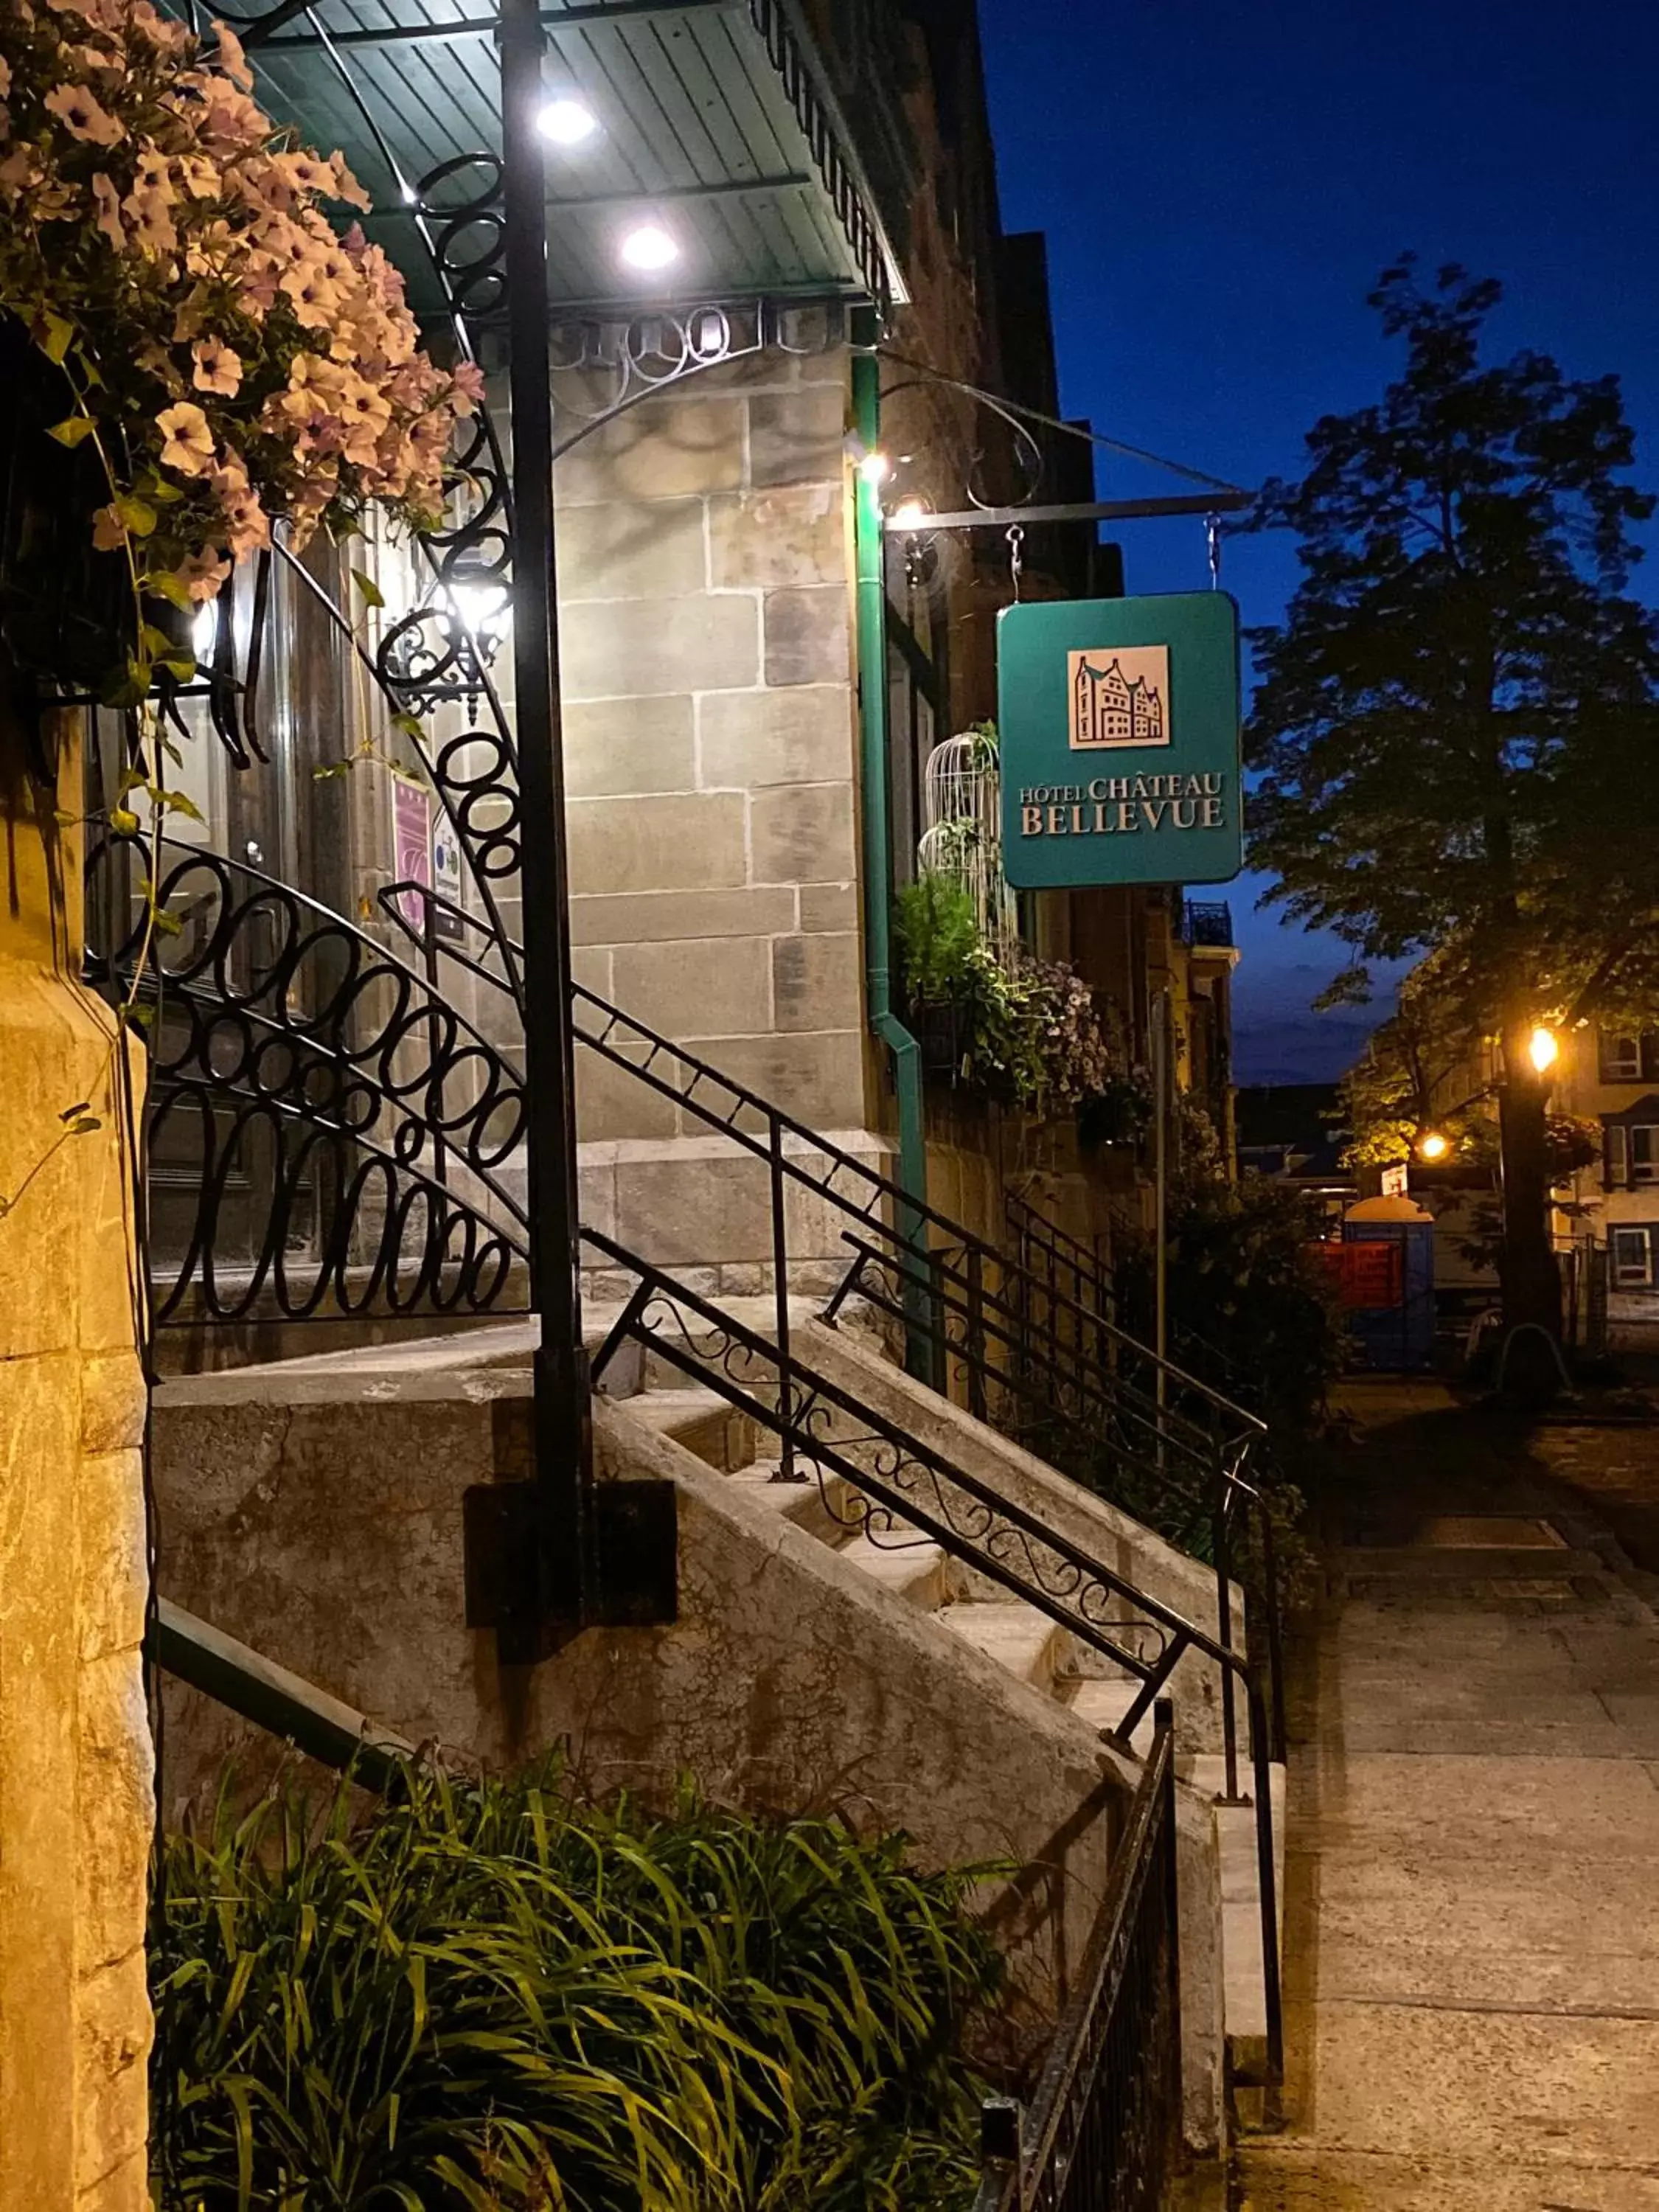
{"points": [[478, 605]]}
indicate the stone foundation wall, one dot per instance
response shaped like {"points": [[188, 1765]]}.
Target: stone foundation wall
{"points": [[75, 1753]]}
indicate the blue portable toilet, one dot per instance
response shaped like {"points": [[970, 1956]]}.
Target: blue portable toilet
{"points": [[1391, 1315]]}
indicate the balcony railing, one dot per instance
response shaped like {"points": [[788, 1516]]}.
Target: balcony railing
{"points": [[1207, 923]]}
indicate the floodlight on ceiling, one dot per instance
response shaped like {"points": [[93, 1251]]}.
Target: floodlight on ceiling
{"points": [[648, 247], [566, 121]]}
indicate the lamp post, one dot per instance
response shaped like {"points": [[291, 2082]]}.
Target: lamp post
{"points": [[564, 1544]]}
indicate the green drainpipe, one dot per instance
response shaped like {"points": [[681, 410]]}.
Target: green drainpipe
{"points": [[878, 858]]}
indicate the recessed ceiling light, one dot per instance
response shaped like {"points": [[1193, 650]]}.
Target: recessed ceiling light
{"points": [[567, 122], [649, 247]]}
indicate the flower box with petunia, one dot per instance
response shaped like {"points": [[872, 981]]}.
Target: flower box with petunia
{"points": [[230, 361]]}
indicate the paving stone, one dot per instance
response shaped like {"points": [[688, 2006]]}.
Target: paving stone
{"points": [[1472, 1916]]}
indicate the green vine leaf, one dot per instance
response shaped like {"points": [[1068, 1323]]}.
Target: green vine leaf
{"points": [[372, 595], [55, 334], [124, 821], [72, 431], [408, 724], [163, 586], [137, 514]]}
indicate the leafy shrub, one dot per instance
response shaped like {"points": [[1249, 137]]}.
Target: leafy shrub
{"points": [[1030, 1031], [937, 934], [490, 1997]]}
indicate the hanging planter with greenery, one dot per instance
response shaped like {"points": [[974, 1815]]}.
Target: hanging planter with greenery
{"points": [[181, 320], [1027, 1033]]}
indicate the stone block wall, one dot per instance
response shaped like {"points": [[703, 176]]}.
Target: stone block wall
{"points": [[710, 735], [74, 1752]]}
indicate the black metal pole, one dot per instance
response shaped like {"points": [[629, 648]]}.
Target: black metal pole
{"points": [[563, 1441]]}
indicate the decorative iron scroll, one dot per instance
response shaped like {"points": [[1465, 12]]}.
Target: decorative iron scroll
{"points": [[342, 1129], [874, 1476], [603, 365]]}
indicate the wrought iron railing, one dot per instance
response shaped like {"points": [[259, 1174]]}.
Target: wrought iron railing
{"points": [[1103, 2132], [287, 1043], [1207, 922], [877, 1478], [1062, 1331], [332, 1130]]}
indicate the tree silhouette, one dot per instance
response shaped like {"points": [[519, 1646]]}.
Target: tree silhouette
{"points": [[1457, 724]]}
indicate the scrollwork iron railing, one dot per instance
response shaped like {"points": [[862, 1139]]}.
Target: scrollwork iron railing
{"points": [[336, 1129], [1103, 2133], [1052, 1373], [877, 1479]]}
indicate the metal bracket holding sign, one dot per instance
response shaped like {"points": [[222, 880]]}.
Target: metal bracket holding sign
{"points": [[1118, 723]]}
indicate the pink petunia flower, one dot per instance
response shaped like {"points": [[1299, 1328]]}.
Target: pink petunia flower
{"points": [[5, 77], [189, 446], [231, 58], [217, 367], [108, 200], [82, 117], [202, 574], [153, 233]]}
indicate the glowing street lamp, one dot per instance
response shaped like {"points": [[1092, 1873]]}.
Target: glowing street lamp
{"points": [[1434, 1145], [1542, 1049]]}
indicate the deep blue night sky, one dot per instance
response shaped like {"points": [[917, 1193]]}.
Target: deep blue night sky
{"points": [[1222, 183]]}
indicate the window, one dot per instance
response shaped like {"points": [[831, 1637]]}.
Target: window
{"points": [[1621, 1059], [1632, 1258], [1630, 1156], [1629, 1059]]}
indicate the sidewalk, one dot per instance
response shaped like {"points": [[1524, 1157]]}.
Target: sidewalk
{"points": [[1472, 1886]]}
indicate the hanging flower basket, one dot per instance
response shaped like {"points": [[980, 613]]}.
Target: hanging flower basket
{"points": [[184, 324]]}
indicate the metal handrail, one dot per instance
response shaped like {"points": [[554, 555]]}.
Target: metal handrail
{"points": [[722, 1104], [1077, 2118], [1224, 1494], [903, 1486]]}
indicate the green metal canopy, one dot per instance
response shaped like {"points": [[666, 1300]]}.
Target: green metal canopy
{"points": [[715, 123]]}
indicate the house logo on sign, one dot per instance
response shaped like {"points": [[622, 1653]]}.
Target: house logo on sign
{"points": [[1119, 695]]}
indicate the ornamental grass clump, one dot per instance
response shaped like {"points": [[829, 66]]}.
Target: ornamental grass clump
{"points": [[232, 359], [491, 1996]]}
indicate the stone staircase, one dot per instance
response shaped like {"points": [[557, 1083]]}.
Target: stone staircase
{"points": [[1024, 1642]]}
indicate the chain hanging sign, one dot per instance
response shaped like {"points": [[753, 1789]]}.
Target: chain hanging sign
{"points": [[1119, 721]]}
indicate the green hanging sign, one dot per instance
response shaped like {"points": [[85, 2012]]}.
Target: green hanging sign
{"points": [[1119, 723]]}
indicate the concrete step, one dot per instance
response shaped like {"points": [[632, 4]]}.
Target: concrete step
{"points": [[1104, 1700], [1027, 1643], [913, 1569], [1244, 2006], [704, 1422], [825, 1512]]}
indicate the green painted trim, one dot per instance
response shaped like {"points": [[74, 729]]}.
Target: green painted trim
{"points": [[877, 837]]}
